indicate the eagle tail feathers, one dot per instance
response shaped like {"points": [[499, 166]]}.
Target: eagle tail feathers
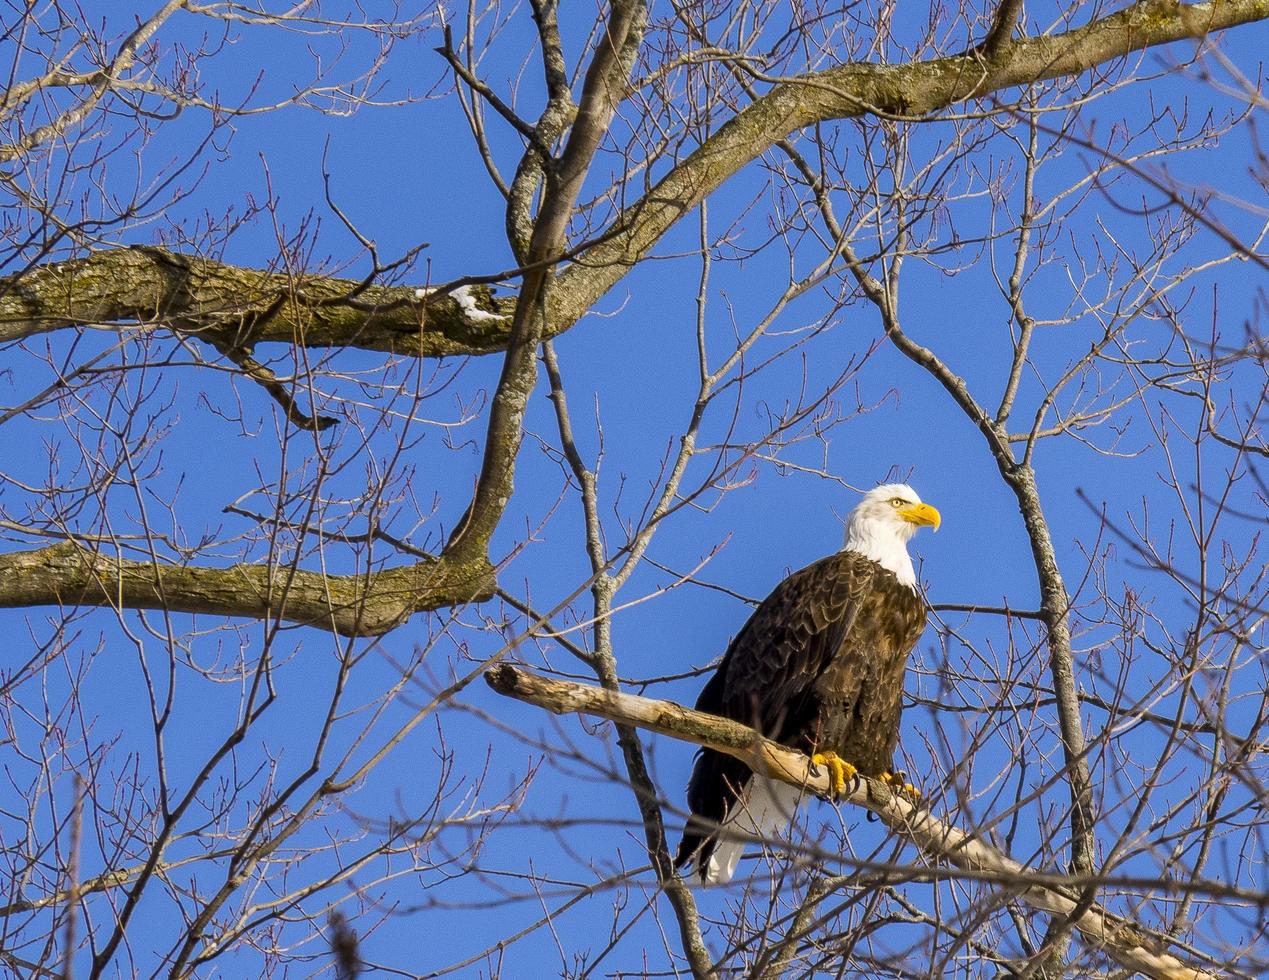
{"points": [[763, 808]]}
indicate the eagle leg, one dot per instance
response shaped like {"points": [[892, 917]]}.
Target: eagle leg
{"points": [[839, 770], [898, 781]]}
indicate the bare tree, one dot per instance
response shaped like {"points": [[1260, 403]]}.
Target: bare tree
{"points": [[275, 494]]}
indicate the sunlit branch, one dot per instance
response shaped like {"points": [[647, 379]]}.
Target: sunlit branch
{"points": [[1125, 942], [368, 604]]}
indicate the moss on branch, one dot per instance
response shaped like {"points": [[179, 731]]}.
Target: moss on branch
{"points": [[234, 306], [72, 574]]}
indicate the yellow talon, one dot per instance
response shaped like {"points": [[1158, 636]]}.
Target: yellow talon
{"points": [[839, 770], [896, 782]]}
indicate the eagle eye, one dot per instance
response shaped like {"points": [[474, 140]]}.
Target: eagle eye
{"points": [[897, 501]]}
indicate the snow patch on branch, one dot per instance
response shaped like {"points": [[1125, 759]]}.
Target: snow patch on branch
{"points": [[466, 300]]}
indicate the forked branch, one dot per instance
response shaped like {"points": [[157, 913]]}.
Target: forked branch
{"points": [[1128, 944]]}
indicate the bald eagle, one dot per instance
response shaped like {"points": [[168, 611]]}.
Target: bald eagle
{"points": [[818, 667]]}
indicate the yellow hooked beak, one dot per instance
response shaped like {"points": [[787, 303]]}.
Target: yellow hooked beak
{"points": [[922, 515]]}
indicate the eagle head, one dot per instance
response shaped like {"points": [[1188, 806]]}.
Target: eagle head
{"points": [[883, 522]]}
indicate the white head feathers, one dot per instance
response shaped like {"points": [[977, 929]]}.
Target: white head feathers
{"points": [[882, 524]]}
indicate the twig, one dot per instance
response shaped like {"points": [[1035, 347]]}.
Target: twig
{"points": [[72, 870]]}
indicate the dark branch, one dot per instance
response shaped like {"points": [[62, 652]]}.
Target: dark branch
{"points": [[1006, 20]]}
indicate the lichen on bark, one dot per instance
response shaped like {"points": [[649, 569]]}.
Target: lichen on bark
{"points": [[72, 573], [150, 288]]}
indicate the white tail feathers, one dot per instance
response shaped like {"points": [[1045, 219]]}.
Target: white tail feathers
{"points": [[765, 808]]}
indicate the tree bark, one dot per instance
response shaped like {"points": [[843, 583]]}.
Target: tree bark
{"points": [[911, 91], [150, 287], [369, 604]]}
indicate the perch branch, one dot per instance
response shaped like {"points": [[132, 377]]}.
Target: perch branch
{"points": [[1121, 939]]}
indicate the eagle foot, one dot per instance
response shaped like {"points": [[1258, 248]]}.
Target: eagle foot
{"points": [[898, 783], [839, 771]]}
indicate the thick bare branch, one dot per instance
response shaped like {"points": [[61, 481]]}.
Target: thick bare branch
{"points": [[371, 604], [152, 287], [605, 82], [910, 90], [133, 284], [1005, 21]]}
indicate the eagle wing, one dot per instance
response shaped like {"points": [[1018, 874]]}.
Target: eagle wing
{"points": [[768, 671], [766, 680]]}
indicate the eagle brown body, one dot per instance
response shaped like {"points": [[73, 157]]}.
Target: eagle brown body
{"points": [[818, 667]]}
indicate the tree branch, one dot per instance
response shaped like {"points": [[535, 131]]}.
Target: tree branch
{"points": [[1121, 939], [846, 91], [152, 287], [368, 604], [1006, 20], [606, 79]]}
